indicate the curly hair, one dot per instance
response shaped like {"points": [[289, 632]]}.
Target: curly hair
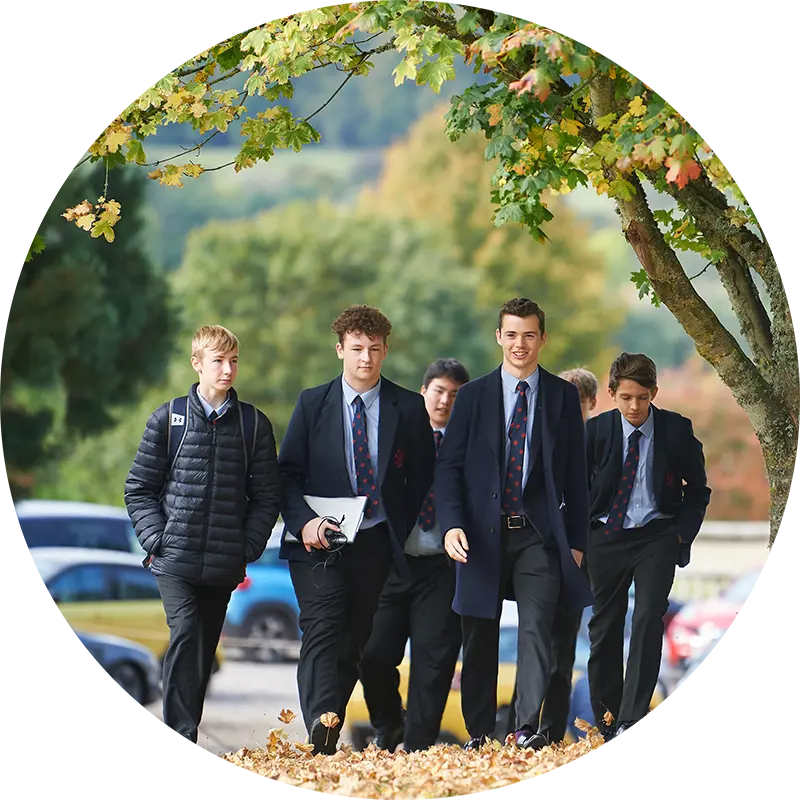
{"points": [[362, 319], [521, 307], [635, 367]]}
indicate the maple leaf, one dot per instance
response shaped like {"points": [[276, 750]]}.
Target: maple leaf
{"points": [[636, 107], [193, 171], [534, 80], [71, 214], [554, 48], [570, 126], [495, 113], [155, 174], [197, 109], [681, 172], [329, 719], [115, 139], [608, 718], [286, 716], [86, 221]]}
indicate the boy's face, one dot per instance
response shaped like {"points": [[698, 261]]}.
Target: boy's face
{"points": [[587, 406], [633, 401], [439, 395], [521, 340], [362, 356], [216, 369]]}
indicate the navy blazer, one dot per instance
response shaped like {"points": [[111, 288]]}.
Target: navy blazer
{"points": [[468, 486], [311, 461], [679, 474]]}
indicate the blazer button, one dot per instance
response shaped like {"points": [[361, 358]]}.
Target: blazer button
{"points": [[491, 530], [494, 495]]}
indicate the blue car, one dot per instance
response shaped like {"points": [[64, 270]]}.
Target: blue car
{"points": [[261, 621]]}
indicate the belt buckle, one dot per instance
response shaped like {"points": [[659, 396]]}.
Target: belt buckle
{"points": [[515, 521]]}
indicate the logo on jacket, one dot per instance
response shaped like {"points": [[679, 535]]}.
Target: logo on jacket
{"points": [[177, 419]]}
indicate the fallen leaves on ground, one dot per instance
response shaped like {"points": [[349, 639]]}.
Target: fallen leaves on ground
{"points": [[441, 771]]}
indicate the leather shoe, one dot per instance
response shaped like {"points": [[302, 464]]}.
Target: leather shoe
{"points": [[608, 732], [527, 738], [622, 727], [388, 738], [476, 742], [324, 739]]}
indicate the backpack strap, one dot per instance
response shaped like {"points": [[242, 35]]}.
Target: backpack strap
{"points": [[178, 425], [248, 421]]}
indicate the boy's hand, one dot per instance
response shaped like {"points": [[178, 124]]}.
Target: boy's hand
{"points": [[455, 545], [313, 533]]}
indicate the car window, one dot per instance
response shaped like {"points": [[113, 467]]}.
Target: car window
{"points": [[133, 583], [98, 532], [82, 584], [767, 586], [270, 558]]}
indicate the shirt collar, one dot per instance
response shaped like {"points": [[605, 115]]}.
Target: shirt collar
{"points": [[208, 408], [510, 382], [646, 428], [369, 397]]}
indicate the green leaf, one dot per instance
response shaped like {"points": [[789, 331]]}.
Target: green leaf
{"points": [[37, 246], [135, 152], [622, 189], [407, 68], [255, 40], [230, 57], [499, 146], [435, 73], [406, 39], [512, 212], [468, 23]]}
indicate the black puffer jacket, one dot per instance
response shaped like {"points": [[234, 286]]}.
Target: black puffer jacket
{"points": [[212, 518]]}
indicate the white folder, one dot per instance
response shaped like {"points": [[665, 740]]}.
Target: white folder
{"points": [[348, 509]]}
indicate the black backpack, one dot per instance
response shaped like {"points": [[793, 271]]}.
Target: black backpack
{"points": [[179, 424]]}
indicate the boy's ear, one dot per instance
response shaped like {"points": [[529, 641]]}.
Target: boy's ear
{"points": [[196, 365], [653, 393], [593, 404]]}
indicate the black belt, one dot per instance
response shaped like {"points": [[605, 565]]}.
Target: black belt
{"points": [[513, 522]]}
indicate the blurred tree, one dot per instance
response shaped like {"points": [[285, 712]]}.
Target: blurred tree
{"points": [[734, 463], [428, 178], [90, 326]]}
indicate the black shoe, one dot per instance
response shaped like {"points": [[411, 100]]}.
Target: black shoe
{"points": [[388, 738], [525, 737], [622, 727], [476, 742], [608, 732], [324, 739]]}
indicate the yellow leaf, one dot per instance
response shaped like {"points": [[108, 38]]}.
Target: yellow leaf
{"points": [[155, 174], [117, 138], [286, 716], [194, 171], [86, 221], [495, 113], [570, 126], [112, 207], [329, 719], [198, 109], [637, 107], [551, 139], [71, 214], [612, 73]]}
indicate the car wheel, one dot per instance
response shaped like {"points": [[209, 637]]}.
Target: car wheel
{"points": [[265, 628], [129, 677]]}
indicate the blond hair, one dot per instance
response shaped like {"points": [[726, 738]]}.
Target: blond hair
{"points": [[584, 380], [214, 338]]}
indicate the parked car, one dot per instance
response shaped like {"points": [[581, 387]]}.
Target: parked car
{"points": [[696, 624], [62, 523], [261, 621], [106, 592], [453, 729]]}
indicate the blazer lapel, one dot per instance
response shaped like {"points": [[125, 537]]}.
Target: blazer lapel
{"points": [[330, 428], [492, 413], [387, 426], [616, 449], [659, 454]]}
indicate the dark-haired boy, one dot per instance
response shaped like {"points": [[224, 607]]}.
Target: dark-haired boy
{"points": [[511, 498], [359, 434], [648, 497], [417, 605]]}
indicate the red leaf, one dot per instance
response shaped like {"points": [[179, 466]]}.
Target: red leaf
{"points": [[681, 172]]}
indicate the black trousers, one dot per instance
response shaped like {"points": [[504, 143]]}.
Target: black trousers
{"points": [[337, 603], [195, 613], [535, 574], [418, 607], [647, 557]]}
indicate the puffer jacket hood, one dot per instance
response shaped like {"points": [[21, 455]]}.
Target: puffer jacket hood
{"points": [[208, 516]]}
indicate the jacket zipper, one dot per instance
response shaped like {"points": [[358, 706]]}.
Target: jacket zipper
{"points": [[209, 492]]}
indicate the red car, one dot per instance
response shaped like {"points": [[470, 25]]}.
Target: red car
{"points": [[696, 624]]}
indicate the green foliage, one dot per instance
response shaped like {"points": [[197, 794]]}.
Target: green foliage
{"points": [[89, 327]]}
